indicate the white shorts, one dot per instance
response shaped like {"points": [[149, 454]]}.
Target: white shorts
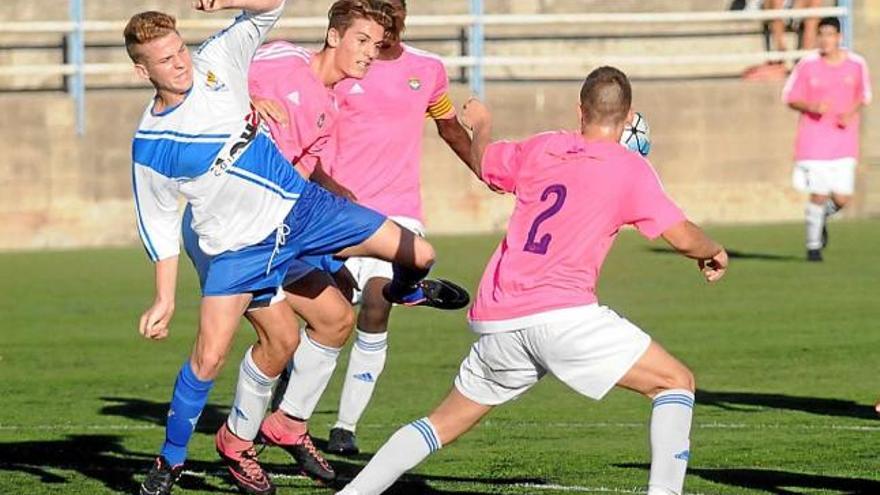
{"points": [[825, 176], [589, 353], [364, 269]]}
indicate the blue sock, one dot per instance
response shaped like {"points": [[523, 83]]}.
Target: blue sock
{"points": [[187, 403]]}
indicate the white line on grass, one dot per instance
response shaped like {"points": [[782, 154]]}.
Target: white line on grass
{"points": [[488, 424]]}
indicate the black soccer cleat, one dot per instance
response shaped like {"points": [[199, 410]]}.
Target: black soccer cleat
{"points": [[342, 442], [814, 255], [434, 293], [161, 478]]}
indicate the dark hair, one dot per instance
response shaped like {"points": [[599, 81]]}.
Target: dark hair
{"points": [[343, 13], [606, 97], [830, 21]]}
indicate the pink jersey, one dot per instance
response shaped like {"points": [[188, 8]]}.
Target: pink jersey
{"points": [[572, 197], [281, 71], [379, 132], [841, 87]]}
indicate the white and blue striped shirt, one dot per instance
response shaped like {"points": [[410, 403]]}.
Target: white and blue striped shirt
{"points": [[212, 150]]}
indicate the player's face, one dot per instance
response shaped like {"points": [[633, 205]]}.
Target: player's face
{"points": [[166, 63], [828, 40], [358, 47], [392, 38]]}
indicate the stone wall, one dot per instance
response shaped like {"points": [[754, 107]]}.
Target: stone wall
{"points": [[722, 147]]}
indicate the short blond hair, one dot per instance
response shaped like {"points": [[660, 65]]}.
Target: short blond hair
{"points": [[145, 27]]}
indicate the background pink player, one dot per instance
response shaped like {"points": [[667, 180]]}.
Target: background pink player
{"points": [[828, 88], [536, 310], [379, 140]]}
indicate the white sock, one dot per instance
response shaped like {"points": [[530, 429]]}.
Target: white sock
{"points": [[831, 208], [365, 364], [670, 441], [252, 394], [405, 449], [815, 216], [310, 371]]}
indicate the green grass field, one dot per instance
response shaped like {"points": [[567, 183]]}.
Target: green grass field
{"points": [[785, 355]]}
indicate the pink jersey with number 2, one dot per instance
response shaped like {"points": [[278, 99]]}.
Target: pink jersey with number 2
{"points": [[572, 197]]}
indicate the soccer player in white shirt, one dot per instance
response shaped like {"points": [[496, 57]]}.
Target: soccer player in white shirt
{"points": [[253, 213]]}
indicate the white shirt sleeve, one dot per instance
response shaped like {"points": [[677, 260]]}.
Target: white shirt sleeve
{"points": [[158, 218], [237, 44]]}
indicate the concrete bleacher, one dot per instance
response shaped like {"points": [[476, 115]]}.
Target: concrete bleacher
{"points": [[722, 146], [571, 40]]}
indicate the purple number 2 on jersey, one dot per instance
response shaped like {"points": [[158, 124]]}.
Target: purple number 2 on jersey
{"points": [[541, 246]]}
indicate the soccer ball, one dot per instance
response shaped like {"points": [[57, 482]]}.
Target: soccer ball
{"points": [[637, 135]]}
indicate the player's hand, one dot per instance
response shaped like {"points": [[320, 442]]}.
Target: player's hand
{"points": [[474, 114], [844, 119], [154, 322], [209, 5], [270, 109], [820, 108], [715, 267]]}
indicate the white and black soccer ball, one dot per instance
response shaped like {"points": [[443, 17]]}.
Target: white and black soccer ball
{"points": [[637, 135]]}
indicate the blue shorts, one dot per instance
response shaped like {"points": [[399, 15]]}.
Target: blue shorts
{"points": [[319, 225]]}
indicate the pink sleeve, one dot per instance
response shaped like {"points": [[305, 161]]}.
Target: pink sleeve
{"points": [[501, 163], [795, 88], [648, 208], [440, 106], [441, 84], [266, 80]]}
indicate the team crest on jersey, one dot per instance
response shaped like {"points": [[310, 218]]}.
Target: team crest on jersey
{"points": [[415, 83], [321, 119], [213, 83]]}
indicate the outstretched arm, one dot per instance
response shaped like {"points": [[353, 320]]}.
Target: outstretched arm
{"points": [[477, 118], [457, 138], [691, 241]]}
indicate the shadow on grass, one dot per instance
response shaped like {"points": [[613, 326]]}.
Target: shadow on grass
{"points": [[779, 482], [98, 457], [740, 255], [735, 401], [104, 459], [156, 412]]}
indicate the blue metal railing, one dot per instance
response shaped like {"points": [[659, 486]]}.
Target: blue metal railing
{"points": [[76, 83]]}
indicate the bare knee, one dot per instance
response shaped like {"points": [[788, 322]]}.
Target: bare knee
{"points": [[335, 332], [680, 378], [207, 363]]}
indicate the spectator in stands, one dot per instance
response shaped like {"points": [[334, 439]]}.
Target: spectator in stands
{"points": [[808, 27]]}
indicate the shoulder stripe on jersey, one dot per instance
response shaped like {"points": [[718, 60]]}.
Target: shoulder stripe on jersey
{"points": [[145, 237], [277, 56], [422, 53], [260, 181], [146, 133], [267, 51]]}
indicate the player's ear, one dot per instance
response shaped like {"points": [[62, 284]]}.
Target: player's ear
{"points": [[333, 38], [141, 71], [580, 114], [630, 116]]}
